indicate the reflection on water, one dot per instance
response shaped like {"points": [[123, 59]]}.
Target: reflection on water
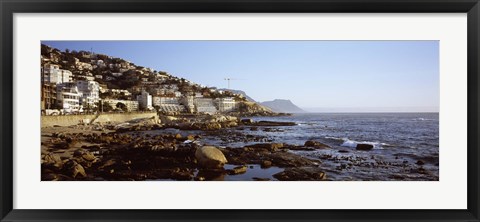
{"points": [[253, 171]]}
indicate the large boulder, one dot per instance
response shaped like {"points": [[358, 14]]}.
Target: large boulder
{"points": [[362, 146], [210, 157], [301, 174], [75, 169], [168, 119], [316, 144], [52, 159], [212, 126]]}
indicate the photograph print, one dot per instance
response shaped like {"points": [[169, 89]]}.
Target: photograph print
{"points": [[239, 110]]}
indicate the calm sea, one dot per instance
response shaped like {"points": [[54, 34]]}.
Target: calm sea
{"points": [[416, 133]]}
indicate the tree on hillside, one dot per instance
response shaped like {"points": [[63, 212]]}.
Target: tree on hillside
{"points": [[122, 106], [107, 107]]}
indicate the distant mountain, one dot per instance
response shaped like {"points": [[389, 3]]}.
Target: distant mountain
{"points": [[282, 106], [236, 91]]}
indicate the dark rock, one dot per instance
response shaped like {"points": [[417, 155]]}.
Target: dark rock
{"points": [[238, 170], [273, 123], [316, 144], [246, 121], [181, 175], [286, 159], [260, 179], [301, 174], [419, 162], [75, 169], [54, 160], [272, 147], [88, 156], [266, 164], [362, 146], [49, 177], [60, 145]]}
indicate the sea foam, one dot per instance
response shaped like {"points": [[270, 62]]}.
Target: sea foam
{"points": [[353, 144]]}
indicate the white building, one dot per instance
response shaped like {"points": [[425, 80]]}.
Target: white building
{"points": [[83, 66], [68, 97], [163, 100], [145, 101], [205, 105], [117, 91], [90, 92], [225, 104], [53, 74]]}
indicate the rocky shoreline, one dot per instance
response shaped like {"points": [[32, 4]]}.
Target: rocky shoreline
{"points": [[130, 151]]}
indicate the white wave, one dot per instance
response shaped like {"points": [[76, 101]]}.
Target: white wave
{"points": [[352, 143], [423, 119], [334, 138]]}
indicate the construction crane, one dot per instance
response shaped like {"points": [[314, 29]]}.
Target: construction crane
{"points": [[228, 81]]}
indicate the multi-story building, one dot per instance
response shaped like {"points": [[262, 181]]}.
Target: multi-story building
{"points": [[49, 96], [188, 102], [145, 101], [131, 105], [168, 104], [163, 100], [90, 92], [205, 105], [225, 104], [68, 97], [53, 74]]}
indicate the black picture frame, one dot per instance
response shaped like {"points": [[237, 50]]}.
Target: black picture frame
{"points": [[9, 7]]}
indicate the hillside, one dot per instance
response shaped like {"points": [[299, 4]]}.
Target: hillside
{"points": [[240, 92], [129, 79], [283, 106]]}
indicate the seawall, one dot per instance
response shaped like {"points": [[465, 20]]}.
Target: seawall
{"points": [[68, 120]]}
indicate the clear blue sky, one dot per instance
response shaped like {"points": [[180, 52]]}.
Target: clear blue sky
{"points": [[316, 75]]}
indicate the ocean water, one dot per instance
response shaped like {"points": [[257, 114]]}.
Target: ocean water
{"points": [[400, 141], [416, 133]]}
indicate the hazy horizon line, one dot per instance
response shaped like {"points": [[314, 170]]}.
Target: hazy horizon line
{"points": [[371, 109]]}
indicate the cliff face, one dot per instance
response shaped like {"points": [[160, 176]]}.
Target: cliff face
{"points": [[247, 108], [240, 92], [282, 105]]}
